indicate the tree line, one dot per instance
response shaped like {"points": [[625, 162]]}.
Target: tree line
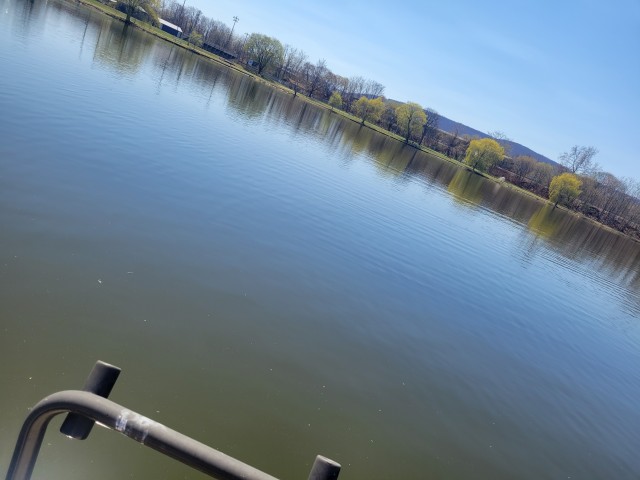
{"points": [[291, 67], [576, 181]]}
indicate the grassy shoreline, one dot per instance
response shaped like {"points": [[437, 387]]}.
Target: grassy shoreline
{"points": [[113, 13], [158, 33]]}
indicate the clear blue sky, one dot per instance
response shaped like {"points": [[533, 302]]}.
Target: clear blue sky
{"points": [[548, 74]]}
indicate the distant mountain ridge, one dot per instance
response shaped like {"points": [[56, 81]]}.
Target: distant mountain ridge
{"points": [[450, 126]]}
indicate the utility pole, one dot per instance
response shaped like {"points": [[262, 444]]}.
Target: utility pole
{"points": [[182, 13], [235, 20]]}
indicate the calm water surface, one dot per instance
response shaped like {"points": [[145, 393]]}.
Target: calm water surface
{"points": [[277, 282]]}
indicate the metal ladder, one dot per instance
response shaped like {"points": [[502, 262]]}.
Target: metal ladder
{"points": [[90, 405]]}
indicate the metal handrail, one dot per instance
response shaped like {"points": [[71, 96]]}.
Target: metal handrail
{"points": [[89, 406]]}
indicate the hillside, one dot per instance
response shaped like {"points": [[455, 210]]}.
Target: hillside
{"points": [[450, 126]]}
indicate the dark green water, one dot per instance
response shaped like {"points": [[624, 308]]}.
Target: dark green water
{"points": [[277, 282]]}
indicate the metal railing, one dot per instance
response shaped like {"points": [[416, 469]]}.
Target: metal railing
{"points": [[90, 405]]}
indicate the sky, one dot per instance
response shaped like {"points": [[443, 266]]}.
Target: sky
{"points": [[549, 74]]}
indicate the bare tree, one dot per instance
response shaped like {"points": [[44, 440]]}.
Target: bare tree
{"points": [[191, 19], [523, 165], [215, 32], [342, 84], [329, 85], [286, 48], [502, 139], [315, 76], [293, 73], [180, 15], [353, 91], [430, 132], [613, 193], [237, 44], [498, 135], [377, 89], [291, 63], [541, 176], [452, 143], [372, 89], [170, 11], [580, 160], [633, 193]]}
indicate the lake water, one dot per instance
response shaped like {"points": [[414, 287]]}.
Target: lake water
{"points": [[277, 282]]}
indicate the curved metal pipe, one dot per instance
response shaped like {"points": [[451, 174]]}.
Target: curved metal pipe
{"points": [[133, 425]]}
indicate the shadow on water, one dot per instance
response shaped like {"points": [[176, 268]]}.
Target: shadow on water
{"points": [[121, 48], [579, 239], [249, 99], [30, 14], [465, 188]]}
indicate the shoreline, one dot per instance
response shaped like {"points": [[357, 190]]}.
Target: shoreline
{"points": [[162, 35]]}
